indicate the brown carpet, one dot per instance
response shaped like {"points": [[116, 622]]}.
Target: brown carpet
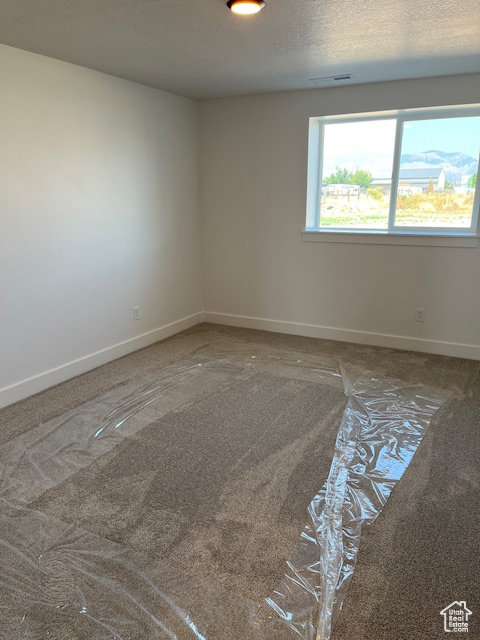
{"points": [[208, 490], [219, 489], [422, 554]]}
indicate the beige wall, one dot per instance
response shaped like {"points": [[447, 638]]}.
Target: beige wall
{"points": [[98, 213], [256, 267]]}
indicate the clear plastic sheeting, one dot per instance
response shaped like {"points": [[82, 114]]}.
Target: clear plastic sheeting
{"points": [[50, 453], [61, 580], [304, 366], [382, 427]]}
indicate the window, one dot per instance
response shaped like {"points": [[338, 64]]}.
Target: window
{"points": [[397, 173]]}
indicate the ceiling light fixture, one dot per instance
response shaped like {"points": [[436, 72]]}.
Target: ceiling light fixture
{"points": [[246, 7]]}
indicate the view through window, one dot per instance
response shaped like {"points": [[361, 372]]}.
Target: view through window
{"points": [[438, 172], [427, 165]]}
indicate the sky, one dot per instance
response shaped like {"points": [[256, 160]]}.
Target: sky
{"points": [[454, 134], [369, 144]]}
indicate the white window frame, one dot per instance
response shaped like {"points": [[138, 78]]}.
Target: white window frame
{"points": [[393, 234]]}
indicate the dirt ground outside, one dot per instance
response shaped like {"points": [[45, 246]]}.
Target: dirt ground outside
{"points": [[437, 209]]}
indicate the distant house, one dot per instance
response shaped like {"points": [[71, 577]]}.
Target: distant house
{"points": [[340, 189], [413, 181], [463, 187]]}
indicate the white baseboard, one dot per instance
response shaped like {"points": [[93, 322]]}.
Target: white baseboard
{"points": [[454, 349], [30, 386], [25, 388]]}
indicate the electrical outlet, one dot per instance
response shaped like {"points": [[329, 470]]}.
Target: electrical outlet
{"points": [[419, 315], [136, 313]]}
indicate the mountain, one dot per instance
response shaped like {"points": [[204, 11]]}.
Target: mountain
{"points": [[456, 165]]}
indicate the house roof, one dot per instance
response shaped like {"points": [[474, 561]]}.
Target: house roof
{"points": [[428, 173], [412, 174]]}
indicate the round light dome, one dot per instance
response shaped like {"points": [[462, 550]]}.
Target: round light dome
{"points": [[246, 7]]}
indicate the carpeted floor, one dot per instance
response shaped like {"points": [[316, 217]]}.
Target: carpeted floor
{"points": [[208, 488], [219, 498]]}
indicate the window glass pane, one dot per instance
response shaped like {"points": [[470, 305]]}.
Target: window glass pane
{"points": [[356, 174], [438, 167]]}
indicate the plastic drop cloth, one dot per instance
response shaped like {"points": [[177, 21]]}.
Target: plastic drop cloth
{"points": [[60, 580]]}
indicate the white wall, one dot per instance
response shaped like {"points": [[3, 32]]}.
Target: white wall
{"points": [[258, 272], [98, 213]]}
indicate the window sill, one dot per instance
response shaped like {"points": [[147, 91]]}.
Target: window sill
{"points": [[381, 237]]}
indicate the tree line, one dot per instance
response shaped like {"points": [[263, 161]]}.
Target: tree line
{"points": [[364, 178], [342, 175]]}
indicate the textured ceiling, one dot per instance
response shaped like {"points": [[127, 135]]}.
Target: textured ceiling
{"points": [[198, 48]]}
